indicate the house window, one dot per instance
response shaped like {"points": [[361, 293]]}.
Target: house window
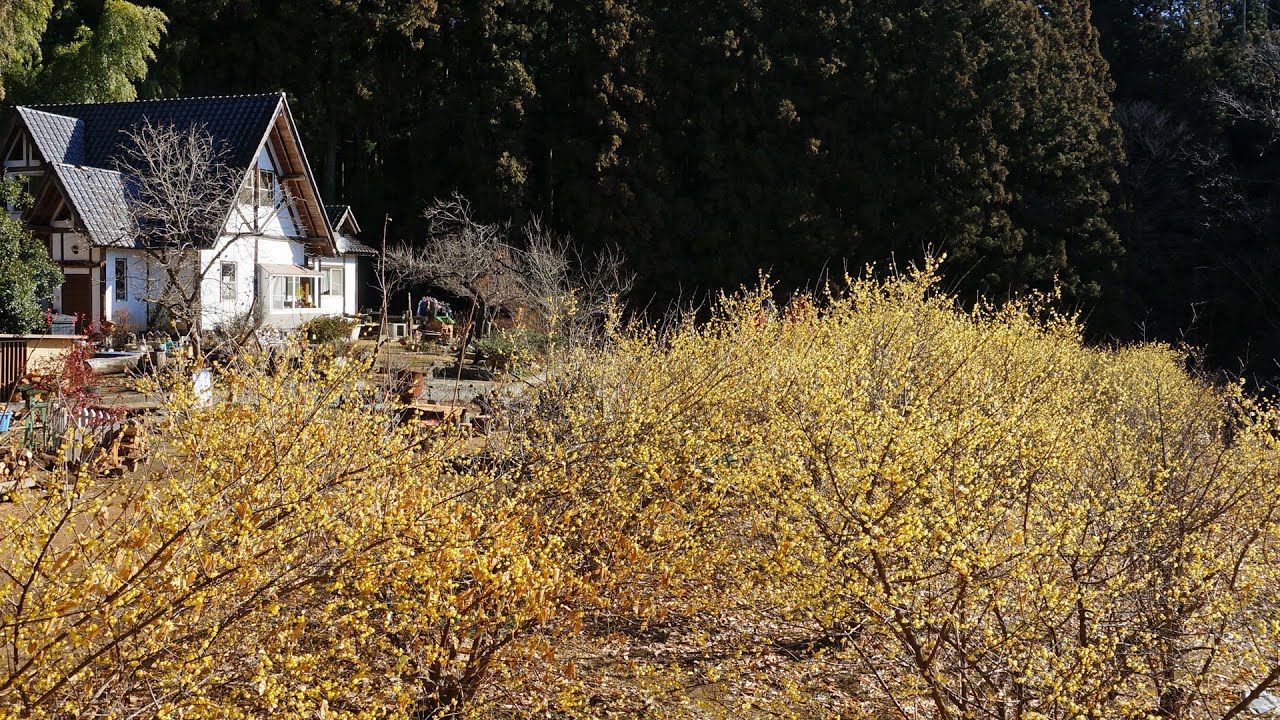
{"points": [[22, 154], [17, 156], [332, 282], [259, 188], [228, 281], [292, 292], [122, 279], [266, 188]]}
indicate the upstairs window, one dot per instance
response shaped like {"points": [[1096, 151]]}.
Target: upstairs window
{"points": [[29, 184], [22, 153], [266, 188], [247, 189], [17, 156], [261, 186]]}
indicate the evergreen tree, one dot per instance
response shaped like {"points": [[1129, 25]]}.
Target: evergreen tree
{"points": [[1198, 197], [27, 275], [707, 138], [751, 136]]}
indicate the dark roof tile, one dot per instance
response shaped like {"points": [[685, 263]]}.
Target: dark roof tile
{"points": [[98, 197], [348, 245], [346, 241], [335, 213], [59, 138], [237, 123]]}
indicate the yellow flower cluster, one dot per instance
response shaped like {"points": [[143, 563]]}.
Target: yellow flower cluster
{"points": [[870, 504]]}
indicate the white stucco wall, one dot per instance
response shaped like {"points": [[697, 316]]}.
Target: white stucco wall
{"points": [[255, 238], [347, 303], [131, 312], [351, 263], [248, 254]]}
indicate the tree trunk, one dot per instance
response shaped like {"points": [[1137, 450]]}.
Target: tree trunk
{"points": [[330, 186]]}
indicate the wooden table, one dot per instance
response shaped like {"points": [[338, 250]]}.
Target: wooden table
{"points": [[433, 414]]}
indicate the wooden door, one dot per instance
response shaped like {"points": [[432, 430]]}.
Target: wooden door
{"points": [[77, 298]]}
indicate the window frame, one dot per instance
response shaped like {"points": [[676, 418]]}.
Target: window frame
{"points": [[31, 182], [121, 278], [288, 299], [327, 284], [265, 184], [228, 289]]}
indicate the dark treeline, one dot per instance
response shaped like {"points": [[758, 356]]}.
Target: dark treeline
{"points": [[1122, 148]]}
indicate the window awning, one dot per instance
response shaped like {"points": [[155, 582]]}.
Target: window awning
{"points": [[288, 270]]}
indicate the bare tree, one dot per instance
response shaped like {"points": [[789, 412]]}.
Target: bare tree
{"points": [[544, 273], [1255, 97], [182, 195], [572, 293], [462, 256]]}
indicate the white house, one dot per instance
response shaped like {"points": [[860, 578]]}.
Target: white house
{"points": [[281, 249]]}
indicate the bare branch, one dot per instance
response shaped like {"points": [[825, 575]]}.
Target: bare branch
{"points": [[185, 199], [544, 273], [1256, 96]]}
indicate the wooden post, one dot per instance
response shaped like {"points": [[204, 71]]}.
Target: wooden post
{"points": [[462, 350], [382, 280]]}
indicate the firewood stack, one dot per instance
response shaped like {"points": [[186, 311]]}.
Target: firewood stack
{"points": [[121, 450], [15, 462], [16, 465]]}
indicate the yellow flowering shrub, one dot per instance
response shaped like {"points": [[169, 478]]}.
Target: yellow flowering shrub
{"points": [[871, 504]]}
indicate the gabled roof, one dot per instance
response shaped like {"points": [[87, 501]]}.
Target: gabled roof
{"points": [[89, 140], [58, 138], [339, 214], [344, 225], [99, 201], [236, 123]]}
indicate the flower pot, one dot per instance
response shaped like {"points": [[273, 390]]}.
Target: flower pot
{"points": [[409, 385]]}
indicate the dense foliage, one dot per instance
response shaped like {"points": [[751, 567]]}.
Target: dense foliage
{"points": [[76, 50], [1075, 138], [1198, 194], [327, 329], [873, 504], [27, 275], [708, 139]]}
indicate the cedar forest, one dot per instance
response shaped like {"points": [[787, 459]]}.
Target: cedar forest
{"points": [[1034, 480], [1125, 148]]}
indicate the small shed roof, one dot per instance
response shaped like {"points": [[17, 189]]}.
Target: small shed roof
{"points": [[343, 222]]}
